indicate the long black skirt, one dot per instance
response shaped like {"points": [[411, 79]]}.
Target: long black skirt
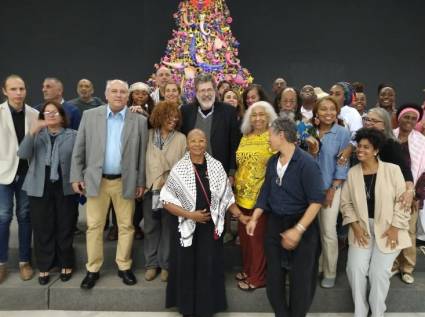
{"points": [[196, 273]]}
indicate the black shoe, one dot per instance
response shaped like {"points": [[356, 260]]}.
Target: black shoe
{"points": [[90, 280], [78, 232], [127, 277], [43, 280], [138, 233], [65, 277], [112, 234]]}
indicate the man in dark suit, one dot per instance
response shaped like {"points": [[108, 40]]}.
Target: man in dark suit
{"points": [[53, 91], [217, 120]]}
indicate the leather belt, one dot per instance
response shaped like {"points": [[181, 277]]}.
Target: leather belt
{"points": [[111, 176]]}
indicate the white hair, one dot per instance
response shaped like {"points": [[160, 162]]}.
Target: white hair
{"points": [[113, 81], [246, 127]]}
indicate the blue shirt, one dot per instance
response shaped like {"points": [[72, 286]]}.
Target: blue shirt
{"points": [[333, 142], [113, 150], [301, 186]]}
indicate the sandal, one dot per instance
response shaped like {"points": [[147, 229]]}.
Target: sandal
{"points": [[246, 287], [241, 276]]}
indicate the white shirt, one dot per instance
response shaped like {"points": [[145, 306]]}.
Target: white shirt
{"points": [[281, 169], [352, 119], [308, 114]]}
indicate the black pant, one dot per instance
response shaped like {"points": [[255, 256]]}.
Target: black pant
{"points": [[53, 218], [301, 266], [137, 218]]}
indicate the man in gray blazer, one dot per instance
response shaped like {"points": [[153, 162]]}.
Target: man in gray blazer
{"points": [[108, 163]]}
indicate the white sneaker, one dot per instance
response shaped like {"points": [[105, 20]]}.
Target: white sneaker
{"points": [[407, 278], [327, 282]]}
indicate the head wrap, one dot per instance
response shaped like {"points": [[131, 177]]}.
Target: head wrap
{"points": [[409, 107], [349, 92], [139, 86]]}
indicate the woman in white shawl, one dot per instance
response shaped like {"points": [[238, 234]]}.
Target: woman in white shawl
{"points": [[412, 145], [198, 193]]}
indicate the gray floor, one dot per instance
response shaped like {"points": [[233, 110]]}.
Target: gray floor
{"points": [[51, 313]]}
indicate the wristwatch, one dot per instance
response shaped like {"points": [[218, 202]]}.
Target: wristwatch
{"points": [[335, 187]]}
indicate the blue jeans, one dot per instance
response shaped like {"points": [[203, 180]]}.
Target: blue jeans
{"points": [[7, 193]]}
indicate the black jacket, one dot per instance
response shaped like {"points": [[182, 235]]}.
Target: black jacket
{"points": [[225, 135]]}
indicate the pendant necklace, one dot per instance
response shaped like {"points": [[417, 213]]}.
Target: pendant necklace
{"points": [[369, 188]]}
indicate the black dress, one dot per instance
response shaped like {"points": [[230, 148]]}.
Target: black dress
{"points": [[196, 273]]}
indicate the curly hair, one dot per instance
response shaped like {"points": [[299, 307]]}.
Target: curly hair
{"points": [[162, 111], [374, 136]]}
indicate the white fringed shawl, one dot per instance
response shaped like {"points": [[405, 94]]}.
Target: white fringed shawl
{"points": [[417, 152]]}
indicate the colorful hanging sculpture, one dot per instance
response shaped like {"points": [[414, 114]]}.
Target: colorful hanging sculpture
{"points": [[203, 42]]}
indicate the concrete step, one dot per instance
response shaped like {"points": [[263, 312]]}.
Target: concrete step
{"points": [[232, 255], [110, 294]]}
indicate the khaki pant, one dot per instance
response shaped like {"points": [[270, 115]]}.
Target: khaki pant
{"points": [[97, 209], [328, 218], [406, 261]]}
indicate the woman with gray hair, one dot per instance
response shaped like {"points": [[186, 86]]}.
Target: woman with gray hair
{"points": [[251, 159], [291, 195], [391, 151]]}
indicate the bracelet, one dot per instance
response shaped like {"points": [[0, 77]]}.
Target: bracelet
{"points": [[300, 227], [335, 187]]}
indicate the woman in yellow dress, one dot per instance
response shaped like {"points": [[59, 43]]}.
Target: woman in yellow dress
{"points": [[251, 158]]}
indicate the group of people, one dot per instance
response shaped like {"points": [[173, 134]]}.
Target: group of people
{"points": [[292, 172]]}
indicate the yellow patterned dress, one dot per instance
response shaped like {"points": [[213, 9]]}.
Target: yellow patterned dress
{"points": [[251, 158]]}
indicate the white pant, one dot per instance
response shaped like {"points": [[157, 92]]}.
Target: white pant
{"points": [[370, 262], [327, 219]]}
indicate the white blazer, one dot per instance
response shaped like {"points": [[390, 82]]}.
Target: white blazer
{"points": [[9, 159]]}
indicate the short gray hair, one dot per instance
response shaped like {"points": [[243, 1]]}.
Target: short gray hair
{"points": [[113, 81], [56, 80], [386, 120], [204, 78], [246, 127], [287, 126]]}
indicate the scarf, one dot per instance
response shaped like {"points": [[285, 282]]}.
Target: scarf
{"points": [[417, 152], [52, 155], [180, 190], [158, 141]]}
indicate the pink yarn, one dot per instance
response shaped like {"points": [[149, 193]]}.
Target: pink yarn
{"points": [[408, 110]]}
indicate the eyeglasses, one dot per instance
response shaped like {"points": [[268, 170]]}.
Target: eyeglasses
{"points": [[289, 102], [372, 121], [259, 115], [172, 118], [51, 113]]}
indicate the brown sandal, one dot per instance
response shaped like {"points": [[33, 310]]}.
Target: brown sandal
{"points": [[246, 287], [241, 276]]}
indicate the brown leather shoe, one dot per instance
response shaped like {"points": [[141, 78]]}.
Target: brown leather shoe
{"points": [[164, 275], [25, 271], [150, 274], [112, 234], [3, 273]]}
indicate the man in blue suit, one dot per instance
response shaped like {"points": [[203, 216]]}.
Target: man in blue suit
{"points": [[53, 91]]}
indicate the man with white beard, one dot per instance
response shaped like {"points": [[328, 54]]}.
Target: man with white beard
{"points": [[217, 120]]}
